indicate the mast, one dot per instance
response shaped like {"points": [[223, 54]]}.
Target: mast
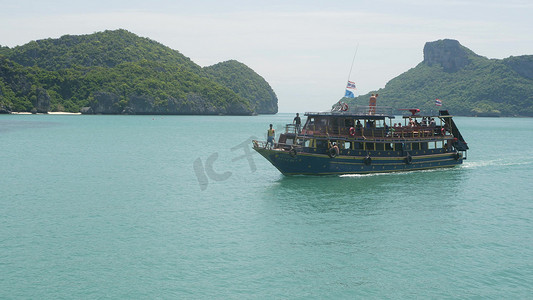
{"points": [[350, 85], [353, 60]]}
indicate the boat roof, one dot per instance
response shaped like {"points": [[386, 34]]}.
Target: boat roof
{"points": [[359, 112], [375, 113], [349, 115], [426, 116]]}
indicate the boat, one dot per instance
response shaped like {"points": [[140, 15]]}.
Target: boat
{"points": [[366, 139]]}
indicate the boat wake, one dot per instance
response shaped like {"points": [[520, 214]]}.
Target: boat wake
{"points": [[364, 175], [398, 173], [495, 163]]}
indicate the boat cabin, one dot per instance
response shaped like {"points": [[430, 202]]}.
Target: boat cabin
{"points": [[376, 134]]}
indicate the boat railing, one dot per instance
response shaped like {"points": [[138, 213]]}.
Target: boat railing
{"points": [[368, 139], [279, 146], [390, 132], [373, 110], [258, 144], [358, 110], [292, 128]]}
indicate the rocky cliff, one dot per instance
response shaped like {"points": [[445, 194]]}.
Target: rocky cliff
{"points": [[41, 103], [447, 53], [110, 103]]}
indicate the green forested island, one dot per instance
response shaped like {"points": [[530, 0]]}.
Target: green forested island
{"points": [[467, 84], [118, 72]]}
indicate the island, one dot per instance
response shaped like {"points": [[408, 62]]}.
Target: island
{"points": [[466, 83], [118, 72]]}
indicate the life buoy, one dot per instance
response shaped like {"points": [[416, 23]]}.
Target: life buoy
{"points": [[367, 160], [332, 152], [352, 131], [408, 159], [344, 107], [292, 152]]}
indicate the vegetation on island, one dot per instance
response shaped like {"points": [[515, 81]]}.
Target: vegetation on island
{"points": [[241, 79], [119, 72], [466, 83]]}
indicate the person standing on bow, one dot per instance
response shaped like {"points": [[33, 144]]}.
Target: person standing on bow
{"points": [[271, 133], [297, 121]]}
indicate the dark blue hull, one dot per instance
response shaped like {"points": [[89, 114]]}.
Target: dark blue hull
{"points": [[321, 164]]}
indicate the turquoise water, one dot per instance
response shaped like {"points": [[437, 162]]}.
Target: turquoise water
{"points": [[144, 207]]}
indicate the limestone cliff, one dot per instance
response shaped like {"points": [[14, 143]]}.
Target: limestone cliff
{"points": [[42, 101], [194, 104], [447, 53]]}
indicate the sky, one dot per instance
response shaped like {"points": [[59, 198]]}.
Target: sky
{"points": [[303, 49]]}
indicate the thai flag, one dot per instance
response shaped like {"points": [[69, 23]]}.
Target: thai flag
{"points": [[350, 85], [349, 94], [438, 102]]}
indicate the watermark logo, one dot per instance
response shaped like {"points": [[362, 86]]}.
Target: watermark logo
{"points": [[247, 153], [206, 172]]}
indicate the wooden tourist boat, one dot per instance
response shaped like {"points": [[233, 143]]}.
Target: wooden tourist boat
{"points": [[366, 140]]}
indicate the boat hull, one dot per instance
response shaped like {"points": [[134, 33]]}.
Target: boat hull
{"points": [[321, 164]]}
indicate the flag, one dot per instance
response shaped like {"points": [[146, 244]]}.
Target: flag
{"points": [[350, 85], [349, 94], [438, 102]]}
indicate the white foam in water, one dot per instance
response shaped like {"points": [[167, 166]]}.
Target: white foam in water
{"points": [[496, 162], [382, 174]]}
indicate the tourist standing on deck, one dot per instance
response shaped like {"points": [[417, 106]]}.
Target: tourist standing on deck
{"points": [[372, 104], [271, 133], [297, 121]]}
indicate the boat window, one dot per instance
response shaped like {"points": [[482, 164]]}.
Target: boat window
{"points": [[320, 124], [380, 146], [349, 123], [357, 146], [321, 144], [347, 145], [334, 126], [370, 124], [370, 146], [309, 123]]}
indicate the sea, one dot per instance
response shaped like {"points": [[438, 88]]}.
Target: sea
{"points": [[181, 207]]}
